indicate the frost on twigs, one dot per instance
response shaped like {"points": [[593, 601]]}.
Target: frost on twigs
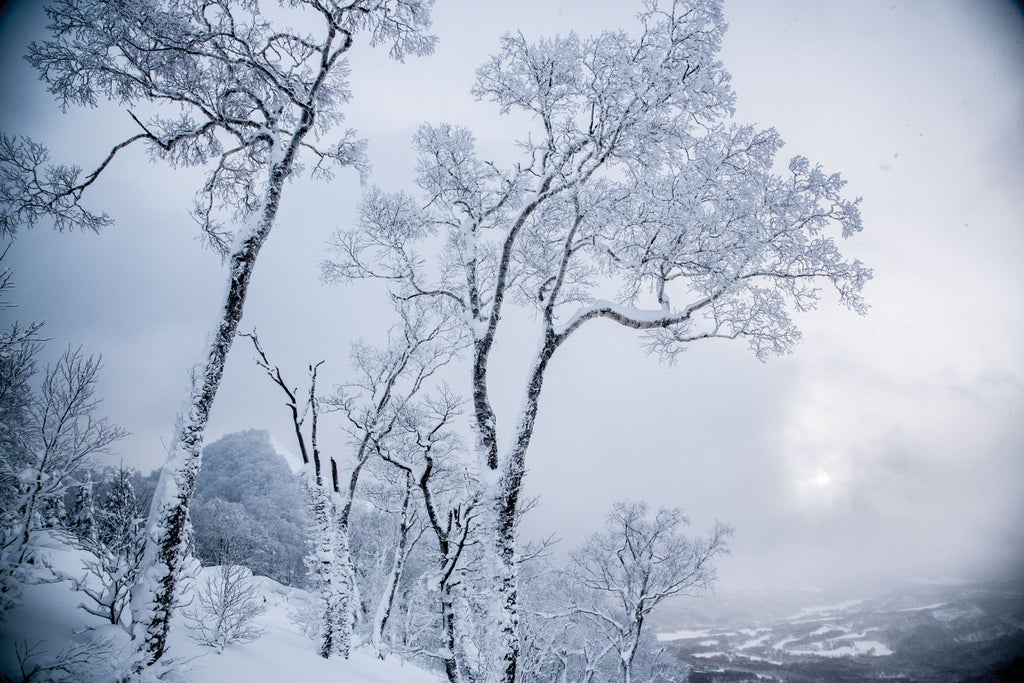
{"points": [[80, 659], [624, 573], [228, 605], [113, 553], [221, 86], [31, 190], [49, 435]]}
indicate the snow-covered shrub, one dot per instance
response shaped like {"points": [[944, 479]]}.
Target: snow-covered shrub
{"points": [[83, 520], [55, 432], [227, 604], [79, 660], [119, 517], [111, 536]]}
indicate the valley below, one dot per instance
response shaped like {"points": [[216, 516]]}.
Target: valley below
{"points": [[920, 632]]}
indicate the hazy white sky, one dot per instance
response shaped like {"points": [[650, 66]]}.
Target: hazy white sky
{"points": [[886, 445]]}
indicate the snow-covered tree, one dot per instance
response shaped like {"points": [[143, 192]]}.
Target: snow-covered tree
{"points": [[385, 381], [636, 201], [231, 89], [62, 432], [19, 348], [423, 446], [114, 551], [384, 531], [65, 433], [551, 647], [227, 605], [407, 537], [329, 561], [119, 519], [84, 521], [639, 561]]}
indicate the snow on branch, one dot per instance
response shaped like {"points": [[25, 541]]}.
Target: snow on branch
{"points": [[31, 190], [226, 88], [228, 609]]}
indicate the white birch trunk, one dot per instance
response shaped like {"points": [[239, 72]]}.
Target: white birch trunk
{"points": [[387, 599], [344, 585], [167, 531], [507, 514]]}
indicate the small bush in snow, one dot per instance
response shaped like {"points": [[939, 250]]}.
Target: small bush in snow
{"points": [[229, 603], [78, 660]]}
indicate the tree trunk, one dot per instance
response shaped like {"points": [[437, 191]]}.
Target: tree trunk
{"points": [[507, 516], [387, 599], [324, 549], [500, 523], [345, 589], [508, 594], [153, 598], [28, 513], [451, 665], [626, 668], [626, 657]]}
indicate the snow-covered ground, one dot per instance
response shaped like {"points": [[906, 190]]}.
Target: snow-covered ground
{"points": [[820, 611], [684, 634], [47, 620], [812, 632], [843, 648]]}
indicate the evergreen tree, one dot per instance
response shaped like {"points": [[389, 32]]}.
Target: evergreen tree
{"points": [[83, 523], [119, 520]]}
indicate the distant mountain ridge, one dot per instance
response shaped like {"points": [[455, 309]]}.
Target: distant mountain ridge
{"points": [[919, 632], [249, 508]]}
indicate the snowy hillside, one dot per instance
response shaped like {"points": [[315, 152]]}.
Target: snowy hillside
{"points": [[48, 621], [918, 632]]}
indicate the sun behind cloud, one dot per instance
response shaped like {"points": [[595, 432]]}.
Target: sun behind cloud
{"points": [[822, 479]]}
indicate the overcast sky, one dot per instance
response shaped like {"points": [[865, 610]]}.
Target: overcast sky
{"points": [[886, 445]]}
